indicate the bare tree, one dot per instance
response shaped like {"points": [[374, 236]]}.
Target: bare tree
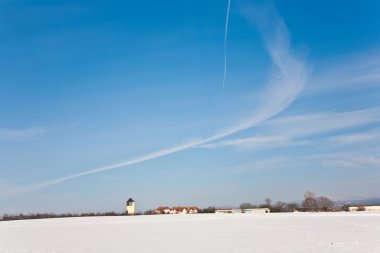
{"points": [[291, 207], [324, 204], [247, 206], [149, 212], [310, 203], [278, 207], [268, 202], [309, 194], [210, 209]]}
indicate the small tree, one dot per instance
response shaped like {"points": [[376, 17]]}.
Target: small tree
{"points": [[291, 207], [309, 194], [310, 203], [278, 207], [268, 202], [324, 204], [149, 212], [210, 209], [247, 206]]}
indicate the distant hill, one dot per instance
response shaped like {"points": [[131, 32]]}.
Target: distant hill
{"points": [[370, 201]]}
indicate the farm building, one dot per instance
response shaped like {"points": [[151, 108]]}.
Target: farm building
{"points": [[364, 208], [236, 210], [257, 210]]}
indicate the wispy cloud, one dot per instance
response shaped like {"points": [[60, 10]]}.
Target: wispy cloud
{"points": [[256, 142], [261, 165], [329, 160], [355, 138], [289, 76], [350, 160], [9, 134], [359, 70], [22, 134], [294, 130], [312, 124]]}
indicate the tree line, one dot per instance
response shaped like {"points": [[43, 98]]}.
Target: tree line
{"points": [[30, 216], [310, 203]]}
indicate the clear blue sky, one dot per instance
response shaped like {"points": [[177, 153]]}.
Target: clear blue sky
{"points": [[87, 84]]}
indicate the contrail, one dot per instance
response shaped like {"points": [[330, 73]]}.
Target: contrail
{"points": [[288, 77], [225, 43]]}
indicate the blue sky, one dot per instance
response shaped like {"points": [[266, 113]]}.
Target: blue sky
{"points": [[105, 100]]}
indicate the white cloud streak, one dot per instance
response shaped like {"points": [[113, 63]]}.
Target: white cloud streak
{"points": [[356, 117], [312, 124], [288, 78], [356, 138], [22, 134], [350, 160], [9, 134], [257, 142], [330, 160], [360, 71], [261, 165], [287, 131], [225, 43]]}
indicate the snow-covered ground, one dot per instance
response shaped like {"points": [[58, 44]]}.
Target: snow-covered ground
{"points": [[291, 232]]}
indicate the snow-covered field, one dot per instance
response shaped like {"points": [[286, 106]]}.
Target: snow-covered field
{"points": [[292, 232]]}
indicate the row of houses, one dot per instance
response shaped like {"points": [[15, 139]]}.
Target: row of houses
{"points": [[130, 209], [176, 210], [194, 209]]}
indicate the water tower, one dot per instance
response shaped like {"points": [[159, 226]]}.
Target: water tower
{"points": [[130, 208]]}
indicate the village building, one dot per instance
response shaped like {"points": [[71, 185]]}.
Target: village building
{"points": [[130, 207], [176, 210], [227, 210], [248, 211], [257, 210], [364, 208]]}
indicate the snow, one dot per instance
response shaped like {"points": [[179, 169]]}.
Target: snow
{"points": [[284, 232]]}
